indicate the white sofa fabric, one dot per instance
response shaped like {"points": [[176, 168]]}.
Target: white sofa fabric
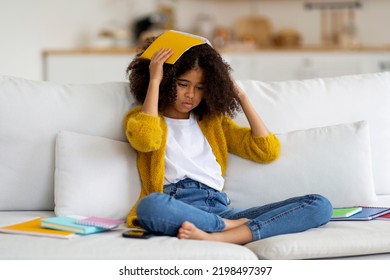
{"points": [[31, 115], [63, 151]]}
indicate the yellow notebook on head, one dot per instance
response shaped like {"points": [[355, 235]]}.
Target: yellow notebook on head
{"points": [[178, 41], [33, 227]]}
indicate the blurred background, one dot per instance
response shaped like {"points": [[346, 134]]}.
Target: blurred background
{"points": [[80, 41]]}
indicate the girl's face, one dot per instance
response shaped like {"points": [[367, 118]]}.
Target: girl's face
{"points": [[189, 93]]}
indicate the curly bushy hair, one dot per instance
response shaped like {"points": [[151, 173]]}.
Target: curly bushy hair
{"points": [[220, 95]]}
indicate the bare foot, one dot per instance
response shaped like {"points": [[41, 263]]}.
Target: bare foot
{"points": [[190, 231], [241, 234]]}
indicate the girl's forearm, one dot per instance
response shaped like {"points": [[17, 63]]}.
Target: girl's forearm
{"points": [[256, 123], [150, 105]]}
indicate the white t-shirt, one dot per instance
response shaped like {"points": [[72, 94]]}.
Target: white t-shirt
{"points": [[189, 155]]}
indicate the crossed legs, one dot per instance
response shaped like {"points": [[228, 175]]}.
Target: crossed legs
{"points": [[163, 214]]}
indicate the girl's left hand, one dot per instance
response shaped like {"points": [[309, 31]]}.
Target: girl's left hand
{"points": [[240, 93], [256, 123]]}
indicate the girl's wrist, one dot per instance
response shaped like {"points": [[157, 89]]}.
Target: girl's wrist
{"points": [[242, 98], [155, 81]]}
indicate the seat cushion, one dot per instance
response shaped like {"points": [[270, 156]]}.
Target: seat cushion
{"points": [[109, 245], [335, 239]]}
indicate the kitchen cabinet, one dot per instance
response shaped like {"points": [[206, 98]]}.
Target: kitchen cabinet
{"points": [[85, 67], [266, 65], [279, 66]]}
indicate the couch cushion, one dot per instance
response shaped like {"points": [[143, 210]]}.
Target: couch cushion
{"points": [[31, 115], [109, 245], [94, 176], [333, 161], [297, 105], [335, 239]]}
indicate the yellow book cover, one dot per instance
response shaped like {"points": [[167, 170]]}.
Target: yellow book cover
{"points": [[178, 41], [33, 227]]}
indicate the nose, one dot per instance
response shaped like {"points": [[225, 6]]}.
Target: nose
{"points": [[190, 92]]}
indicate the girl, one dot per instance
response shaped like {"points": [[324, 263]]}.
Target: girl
{"points": [[182, 133]]}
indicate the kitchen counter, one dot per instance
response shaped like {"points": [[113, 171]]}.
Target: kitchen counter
{"points": [[132, 50], [87, 65]]}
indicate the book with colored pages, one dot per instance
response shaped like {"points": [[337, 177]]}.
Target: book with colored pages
{"points": [[384, 217], [178, 41], [339, 213], [33, 227], [367, 214], [101, 222], [69, 224]]}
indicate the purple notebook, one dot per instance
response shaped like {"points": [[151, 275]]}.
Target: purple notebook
{"points": [[106, 223]]}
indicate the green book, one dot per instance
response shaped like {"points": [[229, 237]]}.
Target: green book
{"points": [[346, 212]]}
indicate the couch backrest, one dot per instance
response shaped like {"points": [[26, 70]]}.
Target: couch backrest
{"points": [[31, 115], [299, 105]]}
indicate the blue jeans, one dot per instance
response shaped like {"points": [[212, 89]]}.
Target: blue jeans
{"points": [[205, 207]]}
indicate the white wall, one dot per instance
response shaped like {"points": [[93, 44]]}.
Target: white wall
{"points": [[20, 39], [29, 26]]}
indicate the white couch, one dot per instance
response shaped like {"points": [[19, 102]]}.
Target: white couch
{"points": [[63, 152]]}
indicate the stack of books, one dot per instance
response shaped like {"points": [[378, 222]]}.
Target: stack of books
{"points": [[360, 213], [65, 227]]}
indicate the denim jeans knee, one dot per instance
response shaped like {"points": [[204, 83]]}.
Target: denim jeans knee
{"points": [[148, 210], [163, 214], [324, 209]]}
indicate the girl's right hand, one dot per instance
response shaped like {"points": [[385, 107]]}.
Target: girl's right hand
{"points": [[150, 105], [157, 62]]}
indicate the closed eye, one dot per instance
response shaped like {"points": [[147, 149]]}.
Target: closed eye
{"points": [[181, 84]]}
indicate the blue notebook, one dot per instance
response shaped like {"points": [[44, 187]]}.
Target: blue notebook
{"points": [[69, 224], [367, 213]]}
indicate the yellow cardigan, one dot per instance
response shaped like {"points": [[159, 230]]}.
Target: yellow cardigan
{"points": [[147, 134]]}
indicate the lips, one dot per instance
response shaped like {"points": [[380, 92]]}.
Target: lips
{"points": [[187, 105]]}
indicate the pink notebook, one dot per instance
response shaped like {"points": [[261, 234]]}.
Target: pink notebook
{"points": [[384, 217], [100, 222]]}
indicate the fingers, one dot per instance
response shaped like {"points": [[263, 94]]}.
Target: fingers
{"points": [[157, 61], [162, 55]]}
